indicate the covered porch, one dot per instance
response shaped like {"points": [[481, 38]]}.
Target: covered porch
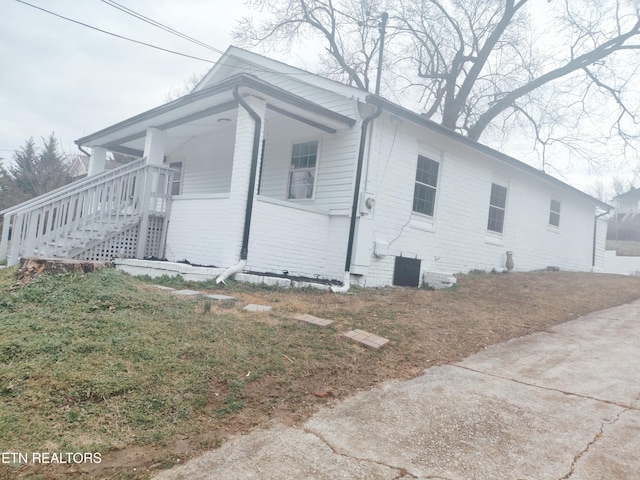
{"points": [[230, 182]]}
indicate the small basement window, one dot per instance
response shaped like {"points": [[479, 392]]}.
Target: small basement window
{"points": [[554, 213], [406, 272]]}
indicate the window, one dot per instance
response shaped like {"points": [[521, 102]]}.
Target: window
{"points": [[177, 177], [554, 213], [497, 206], [424, 194], [302, 173]]}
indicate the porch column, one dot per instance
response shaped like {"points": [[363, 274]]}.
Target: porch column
{"points": [[154, 153], [97, 161], [154, 146], [242, 153]]}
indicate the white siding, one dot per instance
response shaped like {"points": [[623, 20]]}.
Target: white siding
{"points": [[197, 230], [207, 161], [456, 239], [621, 265], [285, 237], [336, 162], [601, 240]]}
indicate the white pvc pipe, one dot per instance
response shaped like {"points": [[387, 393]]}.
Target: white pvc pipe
{"points": [[231, 271], [346, 284]]}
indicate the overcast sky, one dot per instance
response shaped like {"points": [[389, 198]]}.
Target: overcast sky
{"points": [[57, 76]]}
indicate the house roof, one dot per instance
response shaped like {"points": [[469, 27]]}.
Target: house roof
{"points": [[239, 58], [235, 60], [437, 128], [209, 101], [214, 95], [633, 194]]}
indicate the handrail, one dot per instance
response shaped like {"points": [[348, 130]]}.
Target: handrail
{"points": [[61, 221], [86, 186], [74, 186]]}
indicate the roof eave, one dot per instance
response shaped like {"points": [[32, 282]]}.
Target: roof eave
{"points": [[418, 119], [241, 80]]}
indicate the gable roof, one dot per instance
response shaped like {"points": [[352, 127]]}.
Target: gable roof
{"points": [[633, 194], [236, 60]]}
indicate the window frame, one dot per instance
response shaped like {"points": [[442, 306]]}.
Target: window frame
{"points": [[313, 169], [555, 213], [417, 183], [496, 207], [177, 181]]}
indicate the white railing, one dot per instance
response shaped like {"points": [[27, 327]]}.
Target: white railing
{"points": [[67, 220]]}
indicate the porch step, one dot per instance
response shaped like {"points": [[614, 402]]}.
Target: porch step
{"points": [[81, 215]]}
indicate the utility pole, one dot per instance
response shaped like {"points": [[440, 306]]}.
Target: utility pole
{"points": [[382, 28]]}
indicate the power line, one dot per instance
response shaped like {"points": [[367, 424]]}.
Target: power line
{"points": [[162, 26], [139, 16], [114, 34], [147, 19]]}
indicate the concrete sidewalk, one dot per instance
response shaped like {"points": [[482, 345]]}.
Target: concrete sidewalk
{"points": [[562, 404]]}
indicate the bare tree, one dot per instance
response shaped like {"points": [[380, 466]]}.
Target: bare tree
{"points": [[348, 29], [598, 190], [475, 65], [622, 185], [186, 88]]}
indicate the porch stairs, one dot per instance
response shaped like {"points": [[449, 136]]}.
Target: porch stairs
{"points": [[115, 210]]}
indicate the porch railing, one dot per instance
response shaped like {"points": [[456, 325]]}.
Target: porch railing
{"points": [[65, 221]]}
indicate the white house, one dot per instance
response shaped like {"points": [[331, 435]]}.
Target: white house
{"points": [[267, 168]]}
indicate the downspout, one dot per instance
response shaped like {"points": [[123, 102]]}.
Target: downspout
{"points": [[354, 207], [244, 251], [595, 232], [84, 151]]}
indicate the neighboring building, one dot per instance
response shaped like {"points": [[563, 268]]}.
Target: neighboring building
{"points": [[337, 180], [628, 203], [79, 167], [624, 224]]}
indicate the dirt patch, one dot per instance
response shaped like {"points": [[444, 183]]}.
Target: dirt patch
{"points": [[425, 328]]}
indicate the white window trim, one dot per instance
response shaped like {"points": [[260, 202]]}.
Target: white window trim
{"points": [[289, 170], [504, 184], [559, 212], [181, 180], [420, 217]]}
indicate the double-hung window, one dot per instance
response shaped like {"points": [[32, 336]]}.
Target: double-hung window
{"points": [[424, 194], [497, 206], [302, 172], [176, 184], [554, 213]]}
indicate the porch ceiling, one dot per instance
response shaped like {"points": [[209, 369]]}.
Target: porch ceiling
{"points": [[201, 111], [179, 134]]}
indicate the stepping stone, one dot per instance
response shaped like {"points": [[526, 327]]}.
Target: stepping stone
{"points": [[162, 287], [252, 307], [221, 298], [186, 293], [367, 339], [311, 320]]}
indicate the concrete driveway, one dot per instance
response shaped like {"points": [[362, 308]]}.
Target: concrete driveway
{"points": [[560, 404]]}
